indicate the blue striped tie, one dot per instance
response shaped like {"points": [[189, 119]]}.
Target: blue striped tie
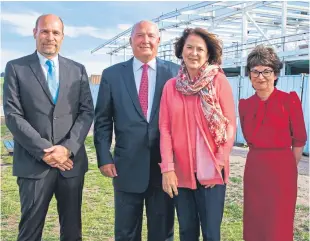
{"points": [[51, 80]]}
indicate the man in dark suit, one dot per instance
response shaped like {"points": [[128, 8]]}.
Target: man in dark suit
{"points": [[48, 108], [128, 98]]}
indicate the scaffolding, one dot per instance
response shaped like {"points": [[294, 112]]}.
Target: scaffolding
{"points": [[240, 25]]}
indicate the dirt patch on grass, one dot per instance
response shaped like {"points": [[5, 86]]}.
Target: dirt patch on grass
{"points": [[9, 223], [235, 187], [237, 163]]}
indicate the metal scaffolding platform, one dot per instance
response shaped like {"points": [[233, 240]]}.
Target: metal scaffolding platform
{"points": [[240, 25]]}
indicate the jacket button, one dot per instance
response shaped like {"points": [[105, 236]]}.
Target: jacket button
{"points": [[55, 118]]}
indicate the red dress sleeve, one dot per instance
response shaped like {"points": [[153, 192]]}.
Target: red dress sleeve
{"points": [[297, 123]]}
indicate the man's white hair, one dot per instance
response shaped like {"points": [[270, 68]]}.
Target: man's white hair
{"points": [[144, 21]]}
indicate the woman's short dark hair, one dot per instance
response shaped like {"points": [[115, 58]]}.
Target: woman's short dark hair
{"points": [[214, 45], [265, 56]]}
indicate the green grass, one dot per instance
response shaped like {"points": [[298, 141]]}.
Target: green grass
{"points": [[237, 180], [89, 143], [98, 208], [1, 86], [5, 133]]}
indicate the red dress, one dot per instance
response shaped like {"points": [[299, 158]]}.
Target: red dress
{"points": [[270, 128]]}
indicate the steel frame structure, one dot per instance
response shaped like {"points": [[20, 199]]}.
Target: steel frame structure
{"points": [[240, 25]]}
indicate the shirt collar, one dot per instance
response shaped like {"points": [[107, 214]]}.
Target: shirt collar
{"points": [[43, 60], [137, 64]]}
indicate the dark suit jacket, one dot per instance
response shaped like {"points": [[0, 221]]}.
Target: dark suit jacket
{"points": [[37, 123], [136, 153]]}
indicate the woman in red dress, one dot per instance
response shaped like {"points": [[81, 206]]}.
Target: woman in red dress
{"points": [[273, 126]]}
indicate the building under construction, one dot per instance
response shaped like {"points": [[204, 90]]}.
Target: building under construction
{"points": [[241, 26]]}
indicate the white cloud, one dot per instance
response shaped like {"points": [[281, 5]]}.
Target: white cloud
{"points": [[124, 26], [94, 63], [23, 23]]}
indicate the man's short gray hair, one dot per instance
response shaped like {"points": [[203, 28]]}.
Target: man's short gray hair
{"points": [[143, 21]]}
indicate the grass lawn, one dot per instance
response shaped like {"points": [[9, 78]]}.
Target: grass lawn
{"points": [[98, 211], [1, 86]]}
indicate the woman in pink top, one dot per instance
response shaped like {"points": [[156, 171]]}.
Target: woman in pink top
{"points": [[197, 125]]}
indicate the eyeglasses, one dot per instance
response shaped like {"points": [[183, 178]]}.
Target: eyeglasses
{"points": [[265, 73]]}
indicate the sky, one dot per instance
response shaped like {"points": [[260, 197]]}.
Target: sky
{"points": [[87, 25]]}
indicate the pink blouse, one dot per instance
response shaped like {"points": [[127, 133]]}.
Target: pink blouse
{"points": [[183, 129]]}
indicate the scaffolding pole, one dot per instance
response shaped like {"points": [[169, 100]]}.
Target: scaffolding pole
{"points": [[284, 22]]}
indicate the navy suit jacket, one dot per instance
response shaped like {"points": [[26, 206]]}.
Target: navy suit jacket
{"points": [[37, 123], [136, 153]]}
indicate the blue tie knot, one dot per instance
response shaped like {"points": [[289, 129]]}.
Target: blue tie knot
{"points": [[50, 64]]}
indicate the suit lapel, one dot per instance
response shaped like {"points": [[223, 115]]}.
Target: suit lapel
{"points": [[129, 80], [63, 78], [38, 73], [161, 78]]}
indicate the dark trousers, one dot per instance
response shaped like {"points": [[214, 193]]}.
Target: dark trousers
{"points": [[203, 206], [129, 213], [35, 196]]}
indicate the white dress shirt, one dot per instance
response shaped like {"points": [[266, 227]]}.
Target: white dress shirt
{"points": [[137, 71], [44, 66]]}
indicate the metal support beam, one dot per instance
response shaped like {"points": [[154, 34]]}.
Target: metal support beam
{"points": [[250, 5], [156, 20], [244, 38], [112, 40], [248, 23], [257, 27], [111, 59], [291, 7], [124, 51], [284, 22]]}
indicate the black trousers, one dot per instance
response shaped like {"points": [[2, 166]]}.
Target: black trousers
{"points": [[35, 196], [129, 213], [203, 206]]}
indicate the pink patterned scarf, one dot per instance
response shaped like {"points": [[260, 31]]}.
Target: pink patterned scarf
{"points": [[202, 84]]}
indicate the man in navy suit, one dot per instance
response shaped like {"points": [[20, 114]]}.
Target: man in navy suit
{"points": [[128, 100], [49, 109]]}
